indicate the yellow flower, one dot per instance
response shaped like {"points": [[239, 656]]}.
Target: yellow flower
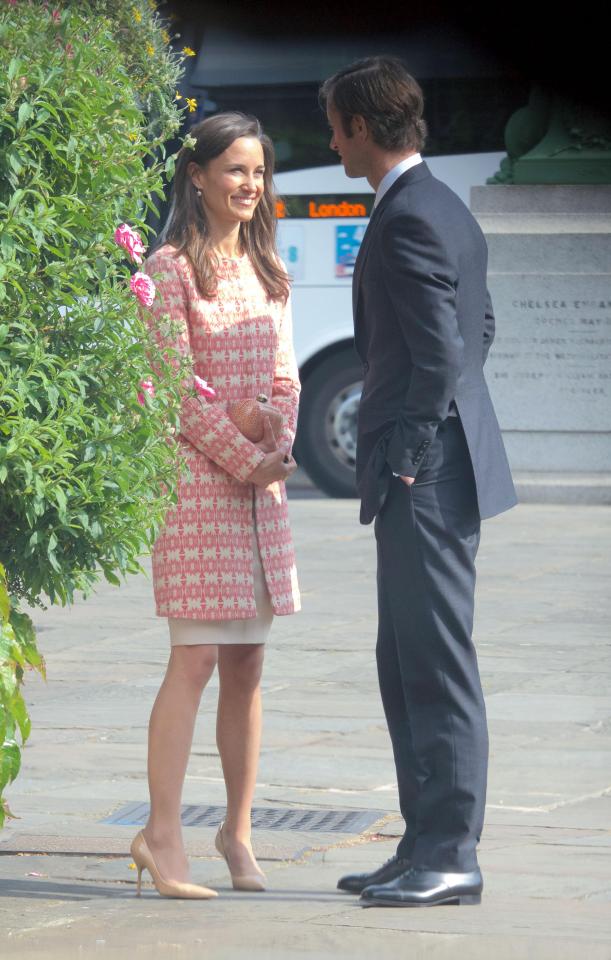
{"points": [[133, 137], [178, 96], [192, 104], [150, 49], [137, 15], [188, 52], [165, 36]]}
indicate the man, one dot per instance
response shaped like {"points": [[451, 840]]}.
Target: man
{"points": [[430, 465]]}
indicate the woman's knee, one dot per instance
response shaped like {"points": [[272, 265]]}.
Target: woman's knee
{"points": [[241, 665], [194, 664]]}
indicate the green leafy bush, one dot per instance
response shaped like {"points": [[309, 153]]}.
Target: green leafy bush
{"points": [[86, 472], [17, 653]]}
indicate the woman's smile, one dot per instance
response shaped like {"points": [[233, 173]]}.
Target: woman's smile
{"points": [[245, 201]]}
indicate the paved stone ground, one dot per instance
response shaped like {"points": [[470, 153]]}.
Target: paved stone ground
{"points": [[542, 632]]}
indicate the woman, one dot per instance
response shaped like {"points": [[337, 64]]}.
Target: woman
{"points": [[223, 564]]}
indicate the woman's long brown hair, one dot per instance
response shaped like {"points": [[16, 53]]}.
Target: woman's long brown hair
{"points": [[187, 228]]}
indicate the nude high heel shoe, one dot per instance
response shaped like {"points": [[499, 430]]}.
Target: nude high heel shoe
{"points": [[143, 857], [255, 882]]}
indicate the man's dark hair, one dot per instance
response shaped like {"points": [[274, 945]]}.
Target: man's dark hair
{"points": [[380, 90]]}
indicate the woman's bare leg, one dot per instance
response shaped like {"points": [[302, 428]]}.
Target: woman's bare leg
{"points": [[170, 736], [238, 737]]}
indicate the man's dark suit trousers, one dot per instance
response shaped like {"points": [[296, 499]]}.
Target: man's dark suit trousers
{"points": [[427, 538]]}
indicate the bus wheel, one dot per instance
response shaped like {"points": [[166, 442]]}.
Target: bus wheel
{"points": [[326, 436]]}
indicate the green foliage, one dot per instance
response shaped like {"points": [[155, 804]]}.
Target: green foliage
{"points": [[86, 473], [17, 653], [143, 41]]}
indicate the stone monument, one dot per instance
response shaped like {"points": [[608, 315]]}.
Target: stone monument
{"points": [[549, 275]]}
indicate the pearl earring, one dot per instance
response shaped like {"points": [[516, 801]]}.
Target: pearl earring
{"points": [[198, 191]]}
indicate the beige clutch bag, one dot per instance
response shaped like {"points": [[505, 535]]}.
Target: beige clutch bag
{"points": [[248, 417]]}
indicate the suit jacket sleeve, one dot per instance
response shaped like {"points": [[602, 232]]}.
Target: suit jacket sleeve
{"points": [[205, 424], [489, 327], [421, 281]]}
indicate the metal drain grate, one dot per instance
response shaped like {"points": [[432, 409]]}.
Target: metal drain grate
{"points": [[263, 818]]}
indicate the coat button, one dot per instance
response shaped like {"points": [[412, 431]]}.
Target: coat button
{"points": [[365, 367]]}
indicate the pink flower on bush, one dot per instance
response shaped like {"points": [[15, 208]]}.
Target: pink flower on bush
{"points": [[146, 386], [56, 16], [130, 241], [143, 288], [202, 388]]}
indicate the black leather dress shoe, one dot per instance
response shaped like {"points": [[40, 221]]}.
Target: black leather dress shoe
{"points": [[425, 888], [356, 882]]}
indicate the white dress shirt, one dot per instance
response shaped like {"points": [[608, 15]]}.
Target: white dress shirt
{"points": [[389, 178]]}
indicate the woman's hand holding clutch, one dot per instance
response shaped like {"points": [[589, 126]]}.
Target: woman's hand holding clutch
{"points": [[277, 464], [268, 442]]}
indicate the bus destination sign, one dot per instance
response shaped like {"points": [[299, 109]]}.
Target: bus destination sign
{"points": [[325, 206]]}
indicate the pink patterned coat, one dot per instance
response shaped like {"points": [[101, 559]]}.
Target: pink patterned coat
{"points": [[241, 343]]}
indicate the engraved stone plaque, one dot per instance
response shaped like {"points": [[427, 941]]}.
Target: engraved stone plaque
{"points": [[550, 366], [549, 369]]}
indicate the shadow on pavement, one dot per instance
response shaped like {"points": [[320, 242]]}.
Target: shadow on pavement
{"points": [[38, 890], [52, 890]]}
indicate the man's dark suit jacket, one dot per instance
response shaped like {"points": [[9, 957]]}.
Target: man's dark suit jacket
{"points": [[423, 327]]}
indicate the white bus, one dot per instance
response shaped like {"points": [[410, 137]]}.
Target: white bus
{"points": [[323, 214]]}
